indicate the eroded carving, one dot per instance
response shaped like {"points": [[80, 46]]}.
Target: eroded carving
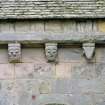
{"points": [[89, 49], [14, 52], [51, 51]]}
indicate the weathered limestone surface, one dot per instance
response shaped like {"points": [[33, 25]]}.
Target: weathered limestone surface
{"points": [[34, 70], [72, 81], [63, 70], [30, 55], [26, 26], [101, 26], [6, 71], [34, 81]]}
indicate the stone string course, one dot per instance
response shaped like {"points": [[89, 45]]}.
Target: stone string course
{"points": [[51, 9]]}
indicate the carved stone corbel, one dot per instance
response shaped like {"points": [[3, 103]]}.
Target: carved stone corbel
{"points": [[89, 49], [14, 52], [51, 51]]}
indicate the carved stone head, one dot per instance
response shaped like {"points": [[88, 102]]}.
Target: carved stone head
{"points": [[14, 52], [51, 51]]}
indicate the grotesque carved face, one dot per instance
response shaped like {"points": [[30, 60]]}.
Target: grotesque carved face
{"points": [[14, 52], [51, 51]]}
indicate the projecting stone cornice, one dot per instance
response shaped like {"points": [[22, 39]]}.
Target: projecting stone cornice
{"points": [[45, 37], [51, 42]]}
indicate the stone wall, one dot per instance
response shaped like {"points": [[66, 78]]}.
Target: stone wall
{"points": [[71, 81]]}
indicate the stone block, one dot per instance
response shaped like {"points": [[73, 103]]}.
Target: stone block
{"points": [[6, 71], [83, 26], [101, 26], [44, 70], [24, 70], [63, 86], [80, 99], [27, 85], [86, 26], [34, 70], [83, 71], [23, 26], [88, 71], [45, 99], [95, 26], [83, 86], [69, 26], [99, 99], [24, 99], [5, 99], [37, 26], [7, 96], [26, 91], [7, 27], [3, 56], [33, 55], [63, 70], [64, 99], [100, 71], [70, 55], [46, 86], [7, 86], [53, 26], [100, 55]]}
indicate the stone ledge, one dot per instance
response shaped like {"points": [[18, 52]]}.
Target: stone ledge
{"points": [[45, 37]]}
